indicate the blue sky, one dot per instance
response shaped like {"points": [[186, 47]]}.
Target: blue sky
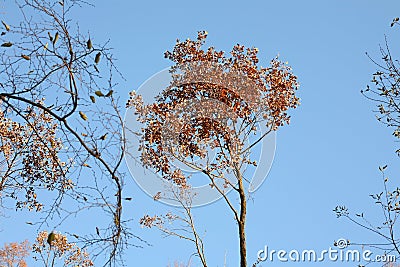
{"points": [[329, 154]]}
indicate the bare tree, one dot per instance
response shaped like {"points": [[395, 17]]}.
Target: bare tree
{"points": [[388, 202], [181, 223], [385, 91], [213, 106], [60, 123]]}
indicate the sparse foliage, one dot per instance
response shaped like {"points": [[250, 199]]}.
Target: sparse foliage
{"points": [[389, 203], [385, 91], [56, 109], [179, 224]]}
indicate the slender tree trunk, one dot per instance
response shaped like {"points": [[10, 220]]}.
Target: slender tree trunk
{"points": [[242, 223]]}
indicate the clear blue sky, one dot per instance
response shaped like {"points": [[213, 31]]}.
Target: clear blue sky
{"points": [[328, 156]]}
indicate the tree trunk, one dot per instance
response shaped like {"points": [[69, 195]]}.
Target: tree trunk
{"points": [[242, 223]]}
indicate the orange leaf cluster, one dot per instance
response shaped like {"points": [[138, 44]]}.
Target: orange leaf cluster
{"points": [[30, 157], [14, 254], [209, 96], [72, 254]]}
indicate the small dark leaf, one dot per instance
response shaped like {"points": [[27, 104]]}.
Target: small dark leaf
{"points": [[83, 116], [51, 237], [6, 26], [103, 137], [99, 93], [89, 44], [109, 93], [97, 58], [25, 57], [55, 38], [8, 44]]}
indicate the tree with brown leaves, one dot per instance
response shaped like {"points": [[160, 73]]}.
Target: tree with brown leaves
{"points": [[59, 251], [14, 254], [205, 119], [51, 252], [60, 123]]}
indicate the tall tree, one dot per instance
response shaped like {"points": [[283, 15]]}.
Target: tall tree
{"points": [[60, 123], [213, 106]]}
